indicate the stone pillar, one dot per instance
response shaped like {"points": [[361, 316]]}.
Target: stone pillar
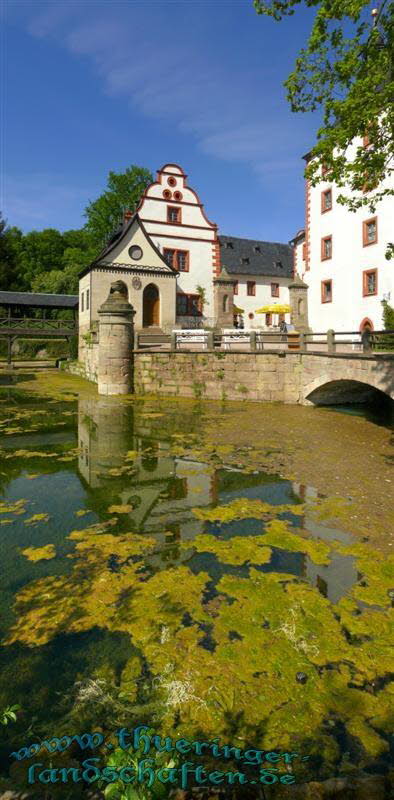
{"points": [[331, 346], [298, 291], [116, 338], [223, 302]]}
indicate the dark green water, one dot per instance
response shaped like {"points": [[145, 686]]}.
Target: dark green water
{"points": [[147, 580]]}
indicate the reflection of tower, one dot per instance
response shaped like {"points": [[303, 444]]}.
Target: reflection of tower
{"points": [[334, 579], [120, 465], [105, 427], [190, 487]]}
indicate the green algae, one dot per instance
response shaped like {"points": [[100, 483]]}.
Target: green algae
{"points": [[17, 507], [237, 550], [244, 508], [281, 534], [40, 553], [263, 629], [41, 517]]}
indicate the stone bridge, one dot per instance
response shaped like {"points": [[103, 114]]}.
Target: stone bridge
{"points": [[289, 377], [331, 378]]}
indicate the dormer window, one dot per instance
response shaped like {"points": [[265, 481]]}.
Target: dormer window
{"points": [[278, 264], [257, 248], [229, 245], [244, 260]]}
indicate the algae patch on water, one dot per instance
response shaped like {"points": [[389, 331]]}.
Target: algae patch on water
{"points": [[245, 508], [40, 553], [210, 642], [238, 550]]}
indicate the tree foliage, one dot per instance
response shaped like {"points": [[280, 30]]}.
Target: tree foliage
{"points": [[123, 193], [50, 260], [388, 316], [347, 71], [7, 254]]}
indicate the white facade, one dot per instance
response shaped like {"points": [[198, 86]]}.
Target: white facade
{"points": [[192, 234], [345, 266], [268, 291], [179, 257]]}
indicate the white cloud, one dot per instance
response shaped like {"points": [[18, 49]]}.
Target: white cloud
{"points": [[131, 48]]}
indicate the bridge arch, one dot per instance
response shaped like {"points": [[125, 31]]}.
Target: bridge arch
{"points": [[327, 390]]}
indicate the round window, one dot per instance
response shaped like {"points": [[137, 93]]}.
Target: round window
{"points": [[135, 252], [171, 182], [178, 196], [251, 316], [167, 194]]}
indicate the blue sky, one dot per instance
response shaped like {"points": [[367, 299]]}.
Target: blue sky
{"points": [[96, 86]]}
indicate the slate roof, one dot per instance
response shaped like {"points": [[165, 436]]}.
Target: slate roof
{"points": [[252, 257], [38, 300]]}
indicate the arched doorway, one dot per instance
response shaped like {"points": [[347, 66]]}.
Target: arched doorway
{"points": [[366, 325], [150, 306]]}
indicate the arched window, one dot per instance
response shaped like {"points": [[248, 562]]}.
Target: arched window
{"points": [[366, 325], [225, 302], [300, 306]]}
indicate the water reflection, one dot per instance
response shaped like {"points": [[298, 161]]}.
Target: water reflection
{"points": [[163, 490], [178, 617]]}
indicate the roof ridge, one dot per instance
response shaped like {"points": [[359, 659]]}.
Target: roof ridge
{"points": [[38, 294], [256, 241]]}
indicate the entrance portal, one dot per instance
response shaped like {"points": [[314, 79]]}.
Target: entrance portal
{"points": [[150, 306]]}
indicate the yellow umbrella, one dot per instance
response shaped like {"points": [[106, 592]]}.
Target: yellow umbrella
{"points": [[238, 310], [275, 308]]}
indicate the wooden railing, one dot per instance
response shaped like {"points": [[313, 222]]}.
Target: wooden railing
{"points": [[29, 326]]}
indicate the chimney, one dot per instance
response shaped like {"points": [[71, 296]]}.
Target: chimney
{"points": [[127, 216]]}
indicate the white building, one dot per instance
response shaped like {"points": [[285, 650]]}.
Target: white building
{"points": [[341, 257], [177, 269], [174, 218], [261, 272]]}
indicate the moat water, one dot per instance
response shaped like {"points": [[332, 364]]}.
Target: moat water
{"points": [[207, 570]]}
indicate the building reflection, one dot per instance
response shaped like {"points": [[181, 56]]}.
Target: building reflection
{"points": [[332, 580], [162, 489], [126, 460]]}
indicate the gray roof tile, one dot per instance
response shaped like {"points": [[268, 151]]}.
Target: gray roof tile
{"points": [[252, 257]]}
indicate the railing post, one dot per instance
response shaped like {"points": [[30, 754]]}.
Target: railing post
{"points": [[252, 338], [366, 339], [210, 341], [302, 341], [136, 341], [9, 345], [331, 346], [173, 340]]}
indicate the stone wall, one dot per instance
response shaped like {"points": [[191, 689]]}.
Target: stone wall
{"points": [[87, 365], [219, 376], [267, 377]]}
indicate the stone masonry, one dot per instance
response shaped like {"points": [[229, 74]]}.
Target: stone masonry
{"points": [[281, 376], [266, 377], [115, 361]]}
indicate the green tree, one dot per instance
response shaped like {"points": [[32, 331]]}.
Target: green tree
{"points": [[347, 71], [64, 280], [123, 192], [7, 256], [37, 252], [388, 316]]}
